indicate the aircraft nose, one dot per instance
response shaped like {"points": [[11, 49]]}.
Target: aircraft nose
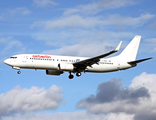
{"points": [[6, 61]]}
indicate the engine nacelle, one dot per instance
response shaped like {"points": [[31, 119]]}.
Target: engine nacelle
{"points": [[65, 67], [53, 72]]}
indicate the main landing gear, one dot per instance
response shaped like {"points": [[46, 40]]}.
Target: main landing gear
{"points": [[72, 76], [78, 74]]}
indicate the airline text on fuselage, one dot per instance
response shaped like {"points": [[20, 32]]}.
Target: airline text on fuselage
{"points": [[41, 56]]}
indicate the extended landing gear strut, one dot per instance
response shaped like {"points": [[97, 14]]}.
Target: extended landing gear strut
{"points": [[17, 68], [71, 76]]}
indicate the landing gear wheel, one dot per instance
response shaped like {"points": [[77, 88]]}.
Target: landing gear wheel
{"points": [[71, 76], [19, 72], [78, 74]]}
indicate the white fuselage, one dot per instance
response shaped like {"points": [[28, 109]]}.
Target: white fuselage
{"points": [[56, 65], [50, 62]]}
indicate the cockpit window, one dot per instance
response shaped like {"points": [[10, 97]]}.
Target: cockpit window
{"points": [[13, 57]]}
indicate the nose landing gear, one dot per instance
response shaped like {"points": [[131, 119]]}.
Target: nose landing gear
{"points": [[19, 72], [17, 68]]}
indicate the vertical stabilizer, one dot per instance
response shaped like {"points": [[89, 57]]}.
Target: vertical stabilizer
{"points": [[130, 52]]}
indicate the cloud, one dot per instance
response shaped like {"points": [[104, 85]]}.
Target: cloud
{"points": [[84, 43], [79, 22], [7, 13], [68, 116], [129, 21], [19, 10], [117, 94], [106, 95], [44, 3], [20, 100], [71, 21], [74, 18], [98, 6], [81, 43], [151, 43], [145, 80], [138, 99], [8, 44], [112, 101], [153, 25], [82, 49], [145, 116]]}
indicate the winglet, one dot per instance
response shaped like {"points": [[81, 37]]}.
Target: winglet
{"points": [[118, 47]]}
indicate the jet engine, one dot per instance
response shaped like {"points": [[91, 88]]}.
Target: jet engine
{"points": [[53, 72], [65, 67]]}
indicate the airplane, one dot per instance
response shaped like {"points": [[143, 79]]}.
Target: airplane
{"points": [[57, 65]]}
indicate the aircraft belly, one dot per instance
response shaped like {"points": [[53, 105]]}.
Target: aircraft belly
{"points": [[102, 68], [43, 65]]}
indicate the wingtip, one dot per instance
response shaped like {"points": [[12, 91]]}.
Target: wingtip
{"points": [[118, 47]]}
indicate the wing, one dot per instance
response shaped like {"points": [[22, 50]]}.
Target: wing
{"points": [[81, 65]]}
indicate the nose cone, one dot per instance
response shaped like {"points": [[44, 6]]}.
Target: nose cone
{"points": [[7, 61]]}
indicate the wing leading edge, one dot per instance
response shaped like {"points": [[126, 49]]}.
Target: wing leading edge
{"points": [[81, 65]]}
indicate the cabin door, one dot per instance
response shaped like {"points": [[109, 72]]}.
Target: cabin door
{"points": [[118, 65]]}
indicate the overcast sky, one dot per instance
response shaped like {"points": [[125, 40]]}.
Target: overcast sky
{"points": [[77, 28]]}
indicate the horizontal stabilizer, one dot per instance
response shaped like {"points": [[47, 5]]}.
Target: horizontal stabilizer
{"points": [[138, 61]]}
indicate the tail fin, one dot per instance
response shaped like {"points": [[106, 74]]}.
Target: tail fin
{"points": [[130, 52]]}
